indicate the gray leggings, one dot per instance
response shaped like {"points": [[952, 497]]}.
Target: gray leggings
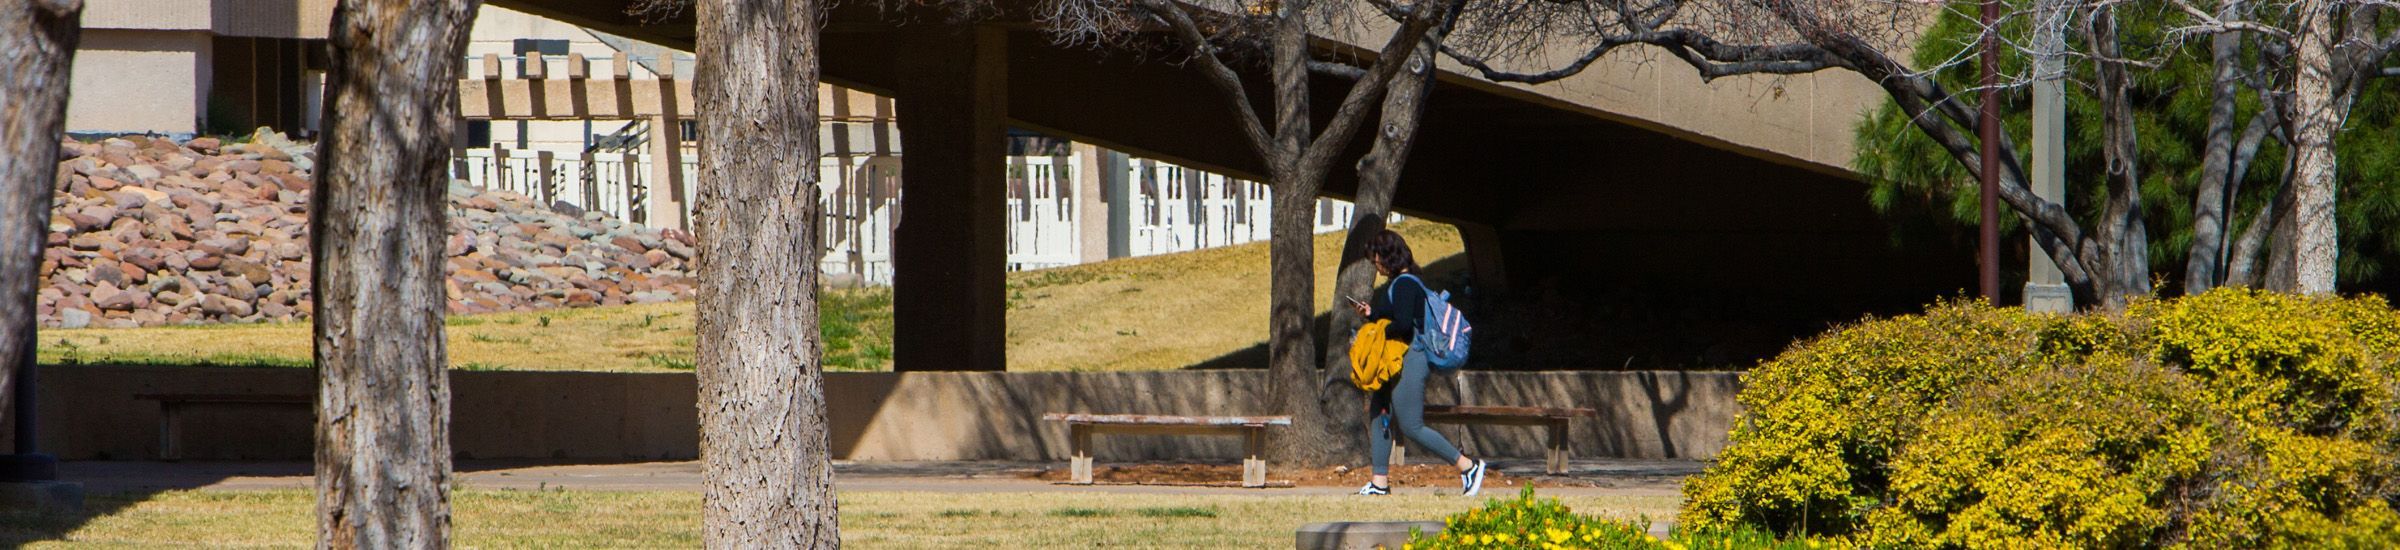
{"points": [[1408, 411]]}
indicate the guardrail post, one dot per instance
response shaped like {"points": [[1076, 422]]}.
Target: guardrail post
{"points": [[549, 177]]}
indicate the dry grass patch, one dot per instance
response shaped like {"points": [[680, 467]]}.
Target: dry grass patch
{"points": [[670, 519], [1151, 313], [1169, 311], [647, 337]]}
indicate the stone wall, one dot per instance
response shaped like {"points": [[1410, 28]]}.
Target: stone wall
{"points": [[90, 412], [153, 232]]}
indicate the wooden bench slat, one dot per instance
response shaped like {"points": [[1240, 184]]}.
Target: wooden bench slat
{"points": [[1485, 410], [226, 398], [1167, 420], [1081, 427]]}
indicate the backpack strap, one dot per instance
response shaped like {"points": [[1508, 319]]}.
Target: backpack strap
{"points": [[1387, 289], [1388, 297]]}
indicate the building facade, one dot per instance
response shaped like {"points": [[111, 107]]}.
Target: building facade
{"points": [[188, 67]]}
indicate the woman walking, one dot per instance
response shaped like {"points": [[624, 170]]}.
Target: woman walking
{"points": [[1400, 404]]}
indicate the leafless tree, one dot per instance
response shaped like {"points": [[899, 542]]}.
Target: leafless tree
{"points": [[1218, 36], [37, 45], [2104, 258], [765, 459], [2306, 61], [1379, 172], [376, 224]]}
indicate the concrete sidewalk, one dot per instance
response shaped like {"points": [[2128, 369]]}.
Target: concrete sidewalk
{"points": [[1606, 477]]}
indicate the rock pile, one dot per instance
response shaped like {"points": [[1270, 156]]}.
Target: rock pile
{"points": [[153, 232]]}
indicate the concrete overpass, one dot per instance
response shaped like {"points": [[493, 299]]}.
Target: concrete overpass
{"points": [[1718, 217]]}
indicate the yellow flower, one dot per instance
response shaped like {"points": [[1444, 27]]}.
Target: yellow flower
{"points": [[1557, 535], [1505, 538], [1485, 538]]}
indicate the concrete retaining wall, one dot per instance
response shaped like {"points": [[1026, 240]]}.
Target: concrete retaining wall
{"points": [[89, 412]]}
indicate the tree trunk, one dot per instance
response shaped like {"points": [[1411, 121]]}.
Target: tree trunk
{"points": [[2243, 267], [2319, 104], [1316, 438], [2203, 265], [377, 221], [765, 467], [37, 44], [1298, 159], [1378, 181], [2123, 257]]}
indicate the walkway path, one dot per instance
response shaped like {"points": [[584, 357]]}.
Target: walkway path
{"points": [[1607, 477]]}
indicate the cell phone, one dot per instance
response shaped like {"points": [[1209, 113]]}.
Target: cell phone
{"points": [[1354, 300]]}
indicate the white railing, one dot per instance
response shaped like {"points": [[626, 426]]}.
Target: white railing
{"points": [[1042, 228], [612, 184], [861, 199], [1176, 209]]}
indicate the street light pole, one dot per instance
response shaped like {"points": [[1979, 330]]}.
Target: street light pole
{"points": [[1988, 131]]}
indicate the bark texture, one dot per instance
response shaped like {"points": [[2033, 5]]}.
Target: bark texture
{"points": [[377, 222], [765, 466], [2119, 230], [2320, 101], [2204, 259], [1378, 182], [37, 44], [1297, 156]]}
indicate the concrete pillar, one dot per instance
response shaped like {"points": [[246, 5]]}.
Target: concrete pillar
{"points": [[1115, 173], [1091, 204], [2045, 287], [950, 251], [665, 206], [1103, 203], [1484, 259]]}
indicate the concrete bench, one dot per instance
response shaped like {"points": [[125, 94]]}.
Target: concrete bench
{"points": [[172, 405], [1553, 420], [1252, 429]]}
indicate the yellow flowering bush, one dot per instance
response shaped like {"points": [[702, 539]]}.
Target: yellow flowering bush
{"points": [[2232, 419], [1526, 522]]}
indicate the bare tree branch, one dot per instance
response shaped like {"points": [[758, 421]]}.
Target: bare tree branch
{"points": [[1226, 80], [2211, 24], [1367, 91], [1329, 68]]}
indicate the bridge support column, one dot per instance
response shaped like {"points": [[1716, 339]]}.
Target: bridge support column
{"points": [[950, 250], [1484, 257]]}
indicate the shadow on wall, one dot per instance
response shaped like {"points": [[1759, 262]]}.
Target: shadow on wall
{"points": [[997, 416], [91, 413], [1577, 316], [1448, 274]]}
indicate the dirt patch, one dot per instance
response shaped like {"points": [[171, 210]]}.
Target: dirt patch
{"points": [[1412, 475]]}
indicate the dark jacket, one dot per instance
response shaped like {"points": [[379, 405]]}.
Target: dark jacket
{"points": [[1401, 300]]}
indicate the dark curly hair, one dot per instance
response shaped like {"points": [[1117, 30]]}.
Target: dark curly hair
{"points": [[1391, 253]]}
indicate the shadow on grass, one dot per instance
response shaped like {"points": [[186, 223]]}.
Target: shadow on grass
{"points": [[19, 528]]}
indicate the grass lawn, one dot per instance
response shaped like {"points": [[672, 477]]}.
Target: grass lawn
{"points": [[608, 519], [1150, 313]]}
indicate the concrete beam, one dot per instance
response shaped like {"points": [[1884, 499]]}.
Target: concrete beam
{"points": [[537, 96], [950, 251]]}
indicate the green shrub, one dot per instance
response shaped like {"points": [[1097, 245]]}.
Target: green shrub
{"points": [[2235, 418]]}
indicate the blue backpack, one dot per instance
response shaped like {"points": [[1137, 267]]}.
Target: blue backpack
{"points": [[1442, 332]]}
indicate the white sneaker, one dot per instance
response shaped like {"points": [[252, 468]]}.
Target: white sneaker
{"points": [[1472, 479], [1371, 490]]}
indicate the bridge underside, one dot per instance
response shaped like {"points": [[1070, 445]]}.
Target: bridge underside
{"points": [[1596, 243]]}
